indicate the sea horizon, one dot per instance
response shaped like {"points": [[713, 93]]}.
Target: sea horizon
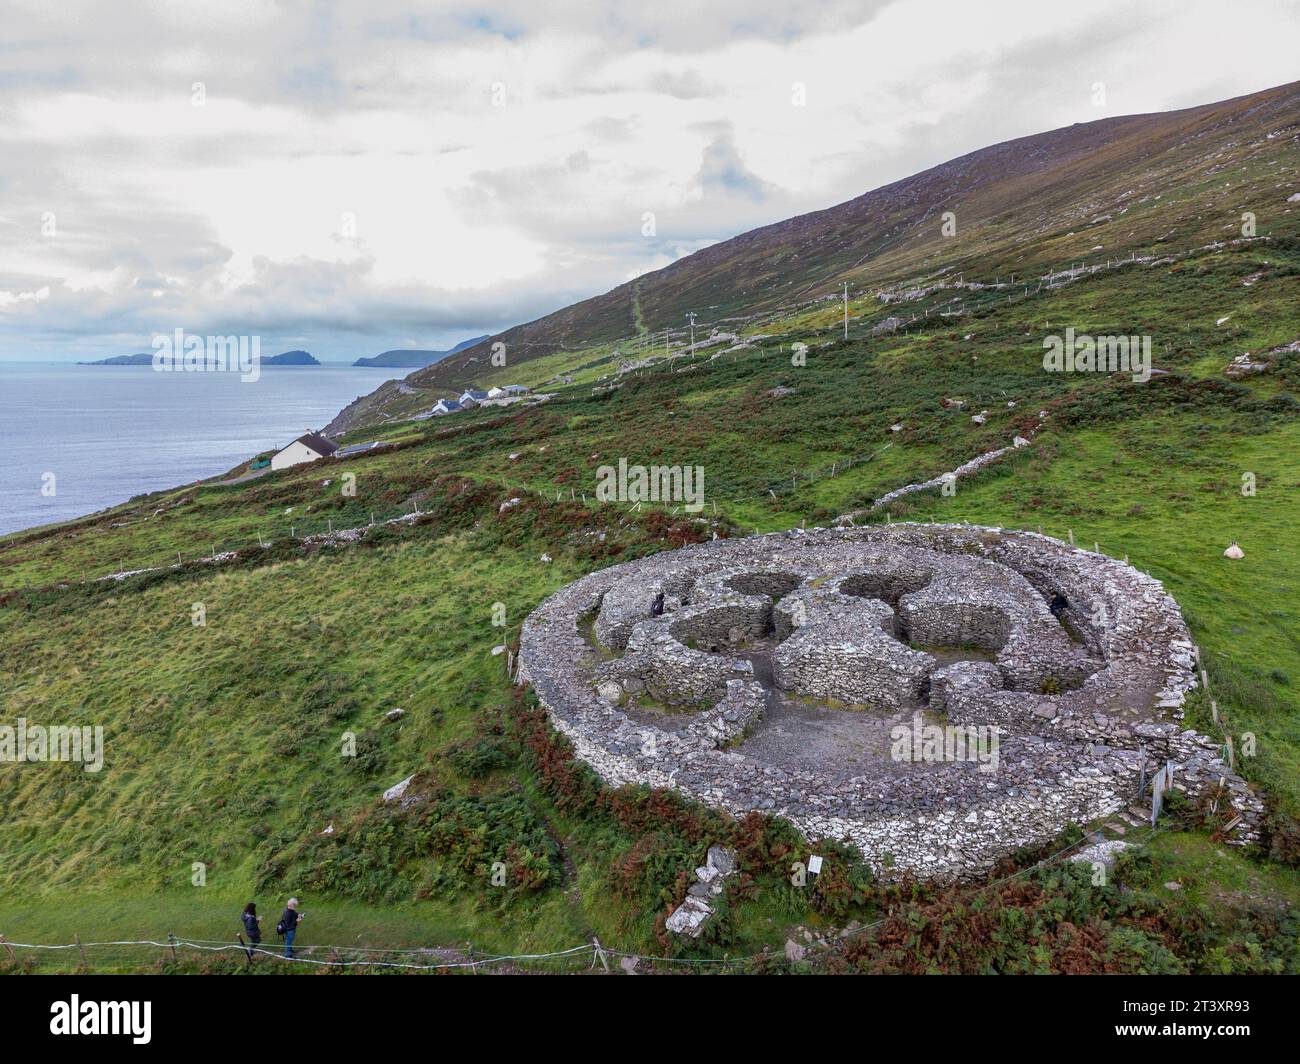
{"points": [[79, 439]]}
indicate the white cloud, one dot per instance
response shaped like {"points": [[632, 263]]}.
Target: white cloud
{"points": [[471, 217]]}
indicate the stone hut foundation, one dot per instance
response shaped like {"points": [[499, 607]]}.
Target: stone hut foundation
{"points": [[1066, 670]]}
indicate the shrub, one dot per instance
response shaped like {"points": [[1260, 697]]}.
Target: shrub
{"points": [[370, 758], [474, 759]]}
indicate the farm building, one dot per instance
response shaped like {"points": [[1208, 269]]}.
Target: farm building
{"points": [[306, 448]]}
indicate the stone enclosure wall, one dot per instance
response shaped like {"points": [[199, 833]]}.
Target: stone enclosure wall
{"points": [[1080, 662]]}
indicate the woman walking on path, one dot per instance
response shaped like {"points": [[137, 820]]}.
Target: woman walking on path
{"points": [[252, 928]]}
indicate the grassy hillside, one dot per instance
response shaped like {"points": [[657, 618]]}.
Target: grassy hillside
{"points": [[225, 742], [1085, 194]]}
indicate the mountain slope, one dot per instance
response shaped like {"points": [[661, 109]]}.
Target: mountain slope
{"points": [[405, 358], [1082, 193]]}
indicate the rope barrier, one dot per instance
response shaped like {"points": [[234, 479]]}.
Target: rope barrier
{"points": [[594, 948], [206, 945]]}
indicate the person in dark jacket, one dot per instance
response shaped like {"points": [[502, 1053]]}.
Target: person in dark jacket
{"points": [[657, 607], [252, 927], [289, 921]]}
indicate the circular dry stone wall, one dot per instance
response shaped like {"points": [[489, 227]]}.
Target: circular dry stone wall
{"points": [[935, 695]]}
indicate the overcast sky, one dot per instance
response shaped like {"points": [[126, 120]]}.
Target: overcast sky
{"points": [[357, 176]]}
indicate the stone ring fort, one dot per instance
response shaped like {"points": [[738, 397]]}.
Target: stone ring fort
{"points": [[935, 695]]}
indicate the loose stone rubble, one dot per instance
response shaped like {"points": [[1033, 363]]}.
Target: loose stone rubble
{"points": [[688, 918], [786, 670], [1100, 853], [1247, 364]]}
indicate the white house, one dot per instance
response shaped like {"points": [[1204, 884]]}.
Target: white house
{"points": [[445, 406], [472, 398], [507, 391], [306, 448]]}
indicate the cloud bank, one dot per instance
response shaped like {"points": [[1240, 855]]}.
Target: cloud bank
{"points": [[351, 177]]}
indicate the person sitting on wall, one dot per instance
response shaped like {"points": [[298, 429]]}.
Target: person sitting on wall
{"points": [[657, 607]]}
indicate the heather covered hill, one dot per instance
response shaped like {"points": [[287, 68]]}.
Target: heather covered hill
{"points": [[1088, 193]]}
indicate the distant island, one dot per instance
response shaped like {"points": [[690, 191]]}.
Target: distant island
{"points": [[414, 359], [291, 358], [145, 358]]}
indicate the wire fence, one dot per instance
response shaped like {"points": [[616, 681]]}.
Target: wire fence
{"points": [[592, 955], [589, 956], [970, 297], [178, 951]]}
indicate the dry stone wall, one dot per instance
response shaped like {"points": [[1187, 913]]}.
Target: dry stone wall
{"points": [[1075, 664]]}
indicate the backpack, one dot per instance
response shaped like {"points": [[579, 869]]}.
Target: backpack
{"points": [[279, 929]]}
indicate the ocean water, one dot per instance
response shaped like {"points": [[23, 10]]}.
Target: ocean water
{"points": [[107, 433]]}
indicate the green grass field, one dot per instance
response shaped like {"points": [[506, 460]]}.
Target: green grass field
{"points": [[230, 745]]}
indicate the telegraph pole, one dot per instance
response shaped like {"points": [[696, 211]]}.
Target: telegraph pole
{"points": [[846, 310], [692, 317]]}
